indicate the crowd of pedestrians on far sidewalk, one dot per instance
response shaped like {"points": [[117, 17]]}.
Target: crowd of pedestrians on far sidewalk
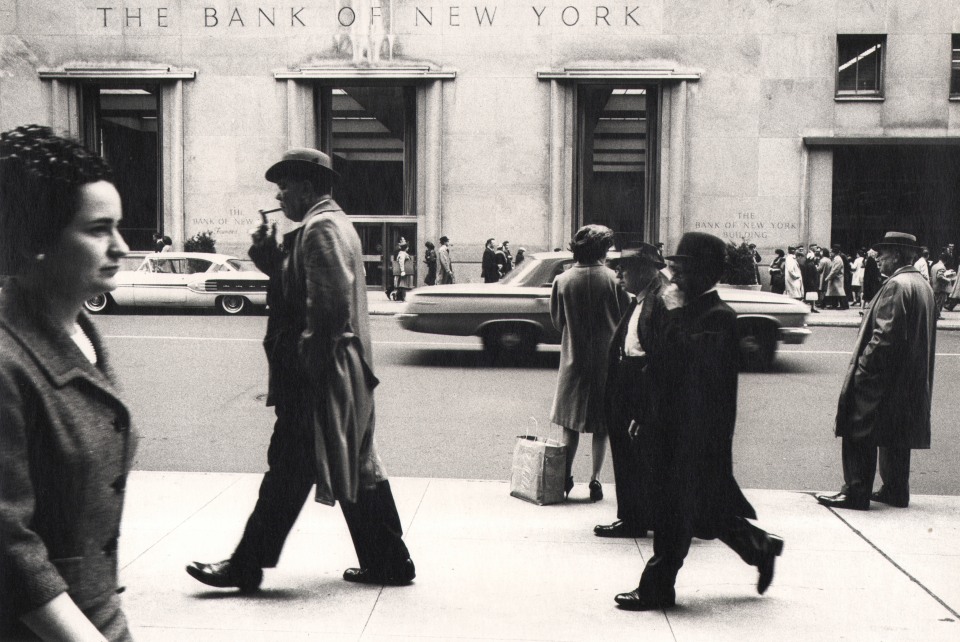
{"points": [[649, 360]]}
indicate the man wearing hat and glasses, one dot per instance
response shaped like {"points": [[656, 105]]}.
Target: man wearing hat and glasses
{"points": [[321, 386], [693, 360], [885, 399], [627, 389]]}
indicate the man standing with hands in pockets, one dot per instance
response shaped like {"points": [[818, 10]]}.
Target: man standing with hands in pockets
{"points": [[321, 385]]}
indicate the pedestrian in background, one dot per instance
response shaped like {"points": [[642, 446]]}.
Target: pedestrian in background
{"points": [[834, 295], [628, 394], [507, 258], [824, 264], [856, 281], [66, 445], [321, 384], [693, 361], [793, 274], [872, 279], [923, 264], [489, 268], [403, 278], [811, 281], [521, 255], [943, 280], [885, 400], [444, 263], [586, 304], [430, 258], [777, 278]]}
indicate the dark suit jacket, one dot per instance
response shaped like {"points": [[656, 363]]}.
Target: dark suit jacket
{"points": [[694, 363], [65, 450], [489, 270]]}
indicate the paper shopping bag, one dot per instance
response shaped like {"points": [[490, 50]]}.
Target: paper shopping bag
{"points": [[538, 468]]}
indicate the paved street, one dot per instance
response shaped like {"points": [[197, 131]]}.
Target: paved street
{"points": [[196, 381]]}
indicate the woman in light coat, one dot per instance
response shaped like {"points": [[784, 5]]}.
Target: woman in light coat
{"points": [[65, 440], [586, 305], [793, 275]]}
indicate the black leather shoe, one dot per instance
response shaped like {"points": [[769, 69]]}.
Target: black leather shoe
{"points": [[885, 498], [619, 528], [596, 490], [772, 550], [842, 500], [226, 574], [401, 577], [633, 601]]}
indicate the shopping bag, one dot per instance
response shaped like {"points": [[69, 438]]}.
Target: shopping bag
{"points": [[538, 468]]}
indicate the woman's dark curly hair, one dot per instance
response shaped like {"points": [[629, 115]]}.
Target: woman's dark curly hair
{"points": [[590, 243], [40, 178]]}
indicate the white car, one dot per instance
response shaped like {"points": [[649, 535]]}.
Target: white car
{"points": [[513, 316], [188, 280]]}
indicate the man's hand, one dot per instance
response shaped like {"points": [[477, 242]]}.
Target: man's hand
{"points": [[672, 297], [634, 429]]}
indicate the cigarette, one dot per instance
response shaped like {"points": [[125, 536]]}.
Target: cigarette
{"points": [[263, 213]]}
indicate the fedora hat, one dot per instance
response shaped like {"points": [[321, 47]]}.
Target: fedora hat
{"points": [[299, 160], [898, 238], [643, 252], [702, 249]]}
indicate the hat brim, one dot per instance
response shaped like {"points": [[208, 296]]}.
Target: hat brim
{"points": [[291, 166], [638, 258], [877, 246]]}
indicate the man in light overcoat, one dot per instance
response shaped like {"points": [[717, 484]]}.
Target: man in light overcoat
{"points": [[321, 385], [885, 400], [444, 263]]}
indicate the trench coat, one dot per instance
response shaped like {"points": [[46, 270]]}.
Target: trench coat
{"points": [[793, 278], [688, 444], [319, 350], [444, 266], [887, 390], [586, 304], [833, 279], [66, 447]]}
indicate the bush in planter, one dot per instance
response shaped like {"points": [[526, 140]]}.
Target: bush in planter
{"points": [[200, 242], [741, 267]]}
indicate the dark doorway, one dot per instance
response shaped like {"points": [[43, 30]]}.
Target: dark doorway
{"points": [[907, 188]]}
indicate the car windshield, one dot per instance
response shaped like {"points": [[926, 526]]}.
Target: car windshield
{"points": [[518, 276], [242, 265], [538, 273]]}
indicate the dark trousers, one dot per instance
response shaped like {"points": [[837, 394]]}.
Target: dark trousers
{"points": [[671, 543], [860, 467], [373, 520], [623, 449]]}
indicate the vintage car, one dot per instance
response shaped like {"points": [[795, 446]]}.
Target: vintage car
{"points": [[513, 316], [188, 280]]}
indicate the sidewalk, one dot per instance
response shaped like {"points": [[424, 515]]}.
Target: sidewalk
{"points": [[379, 304], [492, 567]]}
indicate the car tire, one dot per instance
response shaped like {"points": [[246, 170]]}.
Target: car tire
{"points": [[99, 304], [758, 345], [232, 304], [509, 340]]}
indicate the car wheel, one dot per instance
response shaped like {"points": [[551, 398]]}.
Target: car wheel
{"points": [[232, 304], [509, 339], [758, 346], [98, 304]]}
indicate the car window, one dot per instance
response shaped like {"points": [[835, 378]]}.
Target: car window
{"points": [[164, 266], [194, 266], [242, 265], [146, 266]]}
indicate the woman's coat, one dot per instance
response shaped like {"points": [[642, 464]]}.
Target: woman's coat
{"points": [[586, 304]]}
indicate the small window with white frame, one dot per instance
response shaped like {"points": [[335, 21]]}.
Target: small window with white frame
{"points": [[860, 60]]}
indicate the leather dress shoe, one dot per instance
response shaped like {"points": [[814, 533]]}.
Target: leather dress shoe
{"points": [[619, 528], [843, 500], [400, 577], [885, 498], [772, 549], [226, 574], [633, 601]]}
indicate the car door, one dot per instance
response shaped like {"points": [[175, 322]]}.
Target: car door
{"points": [[161, 282]]}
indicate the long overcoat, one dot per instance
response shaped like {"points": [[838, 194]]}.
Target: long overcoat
{"points": [[66, 447], [834, 277], [318, 347], [793, 278], [886, 394], [586, 304], [689, 441]]}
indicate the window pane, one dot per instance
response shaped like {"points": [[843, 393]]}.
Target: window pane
{"points": [[123, 126], [614, 157], [955, 66], [860, 64], [368, 134]]}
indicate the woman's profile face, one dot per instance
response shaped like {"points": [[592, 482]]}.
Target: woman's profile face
{"points": [[86, 257]]}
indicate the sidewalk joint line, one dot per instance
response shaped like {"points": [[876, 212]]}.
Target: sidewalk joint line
{"points": [[895, 565]]}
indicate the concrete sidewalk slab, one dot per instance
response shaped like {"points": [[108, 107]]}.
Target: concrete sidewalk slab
{"points": [[492, 567]]}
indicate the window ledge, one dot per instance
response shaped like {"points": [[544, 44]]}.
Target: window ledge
{"points": [[122, 73], [858, 99], [955, 99]]}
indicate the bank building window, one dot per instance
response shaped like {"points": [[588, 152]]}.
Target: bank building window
{"points": [[860, 66], [122, 123], [955, 67], [370, 132], [614, 183]]}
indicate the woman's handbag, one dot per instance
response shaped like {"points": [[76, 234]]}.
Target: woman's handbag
{"points": [[538, 469]]}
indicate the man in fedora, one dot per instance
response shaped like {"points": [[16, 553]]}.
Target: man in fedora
{"points": [[444, 263], [693, 362], [885, 399], [625, 396], [321, 386]]}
